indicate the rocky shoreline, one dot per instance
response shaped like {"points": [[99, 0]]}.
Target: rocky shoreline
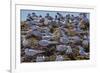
{"points": [[63, 38]]}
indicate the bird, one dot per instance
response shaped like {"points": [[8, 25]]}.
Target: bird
{"points": [[32, 52]]}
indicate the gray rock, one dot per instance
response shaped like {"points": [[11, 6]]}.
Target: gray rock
{"points": [[85, 43], [46, 37], [36, 33], [25, 42], [32, 52], [44, 42], [69, 50], [59, 58], [61, 48], [64, 40], [40, 58], [81, 51]]}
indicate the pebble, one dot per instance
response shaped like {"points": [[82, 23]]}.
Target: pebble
{"points": [[59, 58]]}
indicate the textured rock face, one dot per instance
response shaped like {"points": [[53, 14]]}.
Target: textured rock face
{"points": [[59, 38]]}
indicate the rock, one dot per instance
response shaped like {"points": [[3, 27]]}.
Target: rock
{"points": [[61, 48], [40, 59], [36, 33], [35, 27], [46, 37], [56, 38], [43, 42], [46, 42], [45, 31], [81, 51], [59, 58], [75, 38], [64, 40], [85, 43], [46, 21], [25, 42], [69, 50], [32, 52]]}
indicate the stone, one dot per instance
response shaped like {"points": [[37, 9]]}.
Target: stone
{"points": [[85, 43], [43, 42], [69, 50], [81, 51], [59, 58], [32, 52], [25, 42], [46, 37], [40, 58], [64, 40], [61, 48]]}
